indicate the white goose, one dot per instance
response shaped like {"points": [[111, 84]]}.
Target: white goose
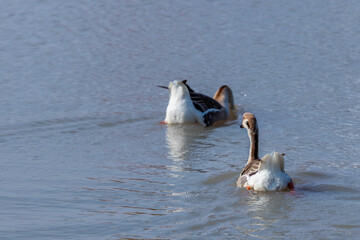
{"points": [[266, 174], [187, 106]]}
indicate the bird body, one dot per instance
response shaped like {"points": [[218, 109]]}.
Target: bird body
{"points": [[187, 106], [267, 173]]}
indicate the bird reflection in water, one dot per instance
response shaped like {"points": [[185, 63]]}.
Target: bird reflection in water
{"points": [[182, 139], [266, 210], [183, 142]]}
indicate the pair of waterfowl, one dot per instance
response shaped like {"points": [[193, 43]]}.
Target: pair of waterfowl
{"points": [[187, 106]]}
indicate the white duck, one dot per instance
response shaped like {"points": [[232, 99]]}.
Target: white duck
{"points": [[187, 106], [266, 174]]}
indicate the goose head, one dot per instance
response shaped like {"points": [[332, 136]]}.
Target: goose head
{"points": [[249, 123]]}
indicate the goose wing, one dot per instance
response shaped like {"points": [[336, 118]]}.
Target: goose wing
{"points": [[250, 169], [211, 109], [203, 103]]}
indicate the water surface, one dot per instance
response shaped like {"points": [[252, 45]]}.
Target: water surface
{"points": [[83, 155]]}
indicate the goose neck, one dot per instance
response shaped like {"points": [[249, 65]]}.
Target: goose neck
{"points": [[254, 146]]}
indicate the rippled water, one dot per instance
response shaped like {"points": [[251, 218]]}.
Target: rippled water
{"points": [[83, 155]]}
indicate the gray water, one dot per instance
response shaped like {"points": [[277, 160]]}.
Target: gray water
{"points": [[82, 153]]}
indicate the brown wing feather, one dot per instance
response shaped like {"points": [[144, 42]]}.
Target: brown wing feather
{"points": [[250, 169]]}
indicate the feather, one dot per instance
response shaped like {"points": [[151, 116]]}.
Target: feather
{"points": [[249, 170], [188, 87]]}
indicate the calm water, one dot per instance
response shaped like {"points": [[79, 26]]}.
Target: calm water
{"points": [[83, 155]]}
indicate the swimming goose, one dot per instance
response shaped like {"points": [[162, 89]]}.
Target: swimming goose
{"points": [[266, 174], [187, 106]]}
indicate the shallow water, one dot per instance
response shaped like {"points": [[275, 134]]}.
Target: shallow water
{"points": [[83, 155]]}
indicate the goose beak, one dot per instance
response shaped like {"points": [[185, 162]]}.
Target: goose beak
{"points": [[241, 126], [162, 87]]}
